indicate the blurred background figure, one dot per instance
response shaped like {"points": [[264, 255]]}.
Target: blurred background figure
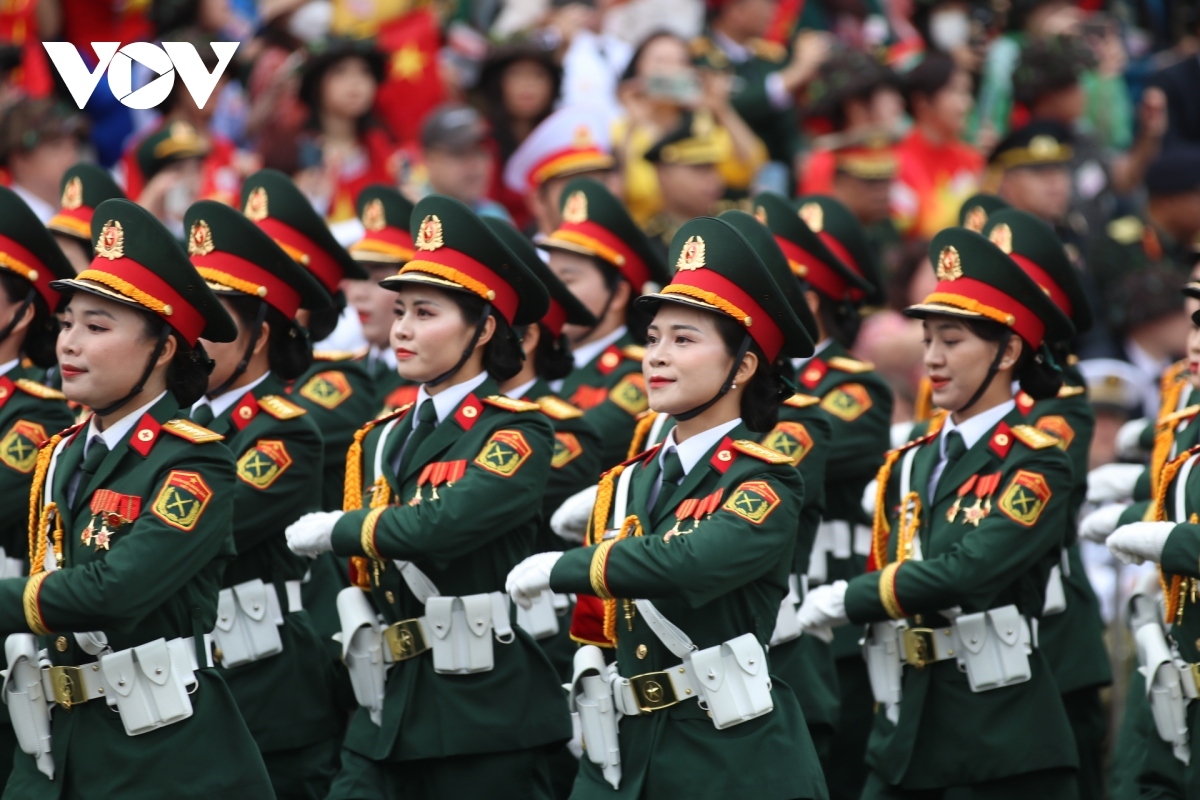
{"points": [[39, 141], [690, 183], [459, 158]]}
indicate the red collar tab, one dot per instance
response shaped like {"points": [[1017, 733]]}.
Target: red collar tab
{"points": [[1002, 440], [145, 434], [245, 411], [609, 360], [724, 456], [7, 388], [1024, 402], [468, 412], [813, 373]]}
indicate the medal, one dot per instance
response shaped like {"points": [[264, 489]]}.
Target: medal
{"points": [[697, 510], [985, 487], [962, 492]]}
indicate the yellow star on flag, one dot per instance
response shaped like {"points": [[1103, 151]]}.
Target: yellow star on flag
{"points": [[408, 62]]}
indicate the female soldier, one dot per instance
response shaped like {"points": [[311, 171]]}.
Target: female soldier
{"points": [[706, 525], [269, 658], [454, 487], [128, 545], [968, 524]]}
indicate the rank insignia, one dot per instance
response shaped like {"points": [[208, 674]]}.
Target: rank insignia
{"points": [[182, 500], [111, 242], [586, 397], [566, 449], [504, 453], [753, 500], [256, 205], [263, 465], [790, 438], [1057, 427], [19, 447], [1025, 497], [847, 402], [630, 393], [327, 389]]}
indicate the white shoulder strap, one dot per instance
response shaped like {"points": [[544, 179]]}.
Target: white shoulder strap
{"points": [[675, 639], [660, 422], [621, 496], [906, 468], [418, 582], [1181, 488], [381, 446]]}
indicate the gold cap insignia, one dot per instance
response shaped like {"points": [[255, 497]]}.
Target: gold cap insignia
{"points": [[1001, 236], [200, 239], [111, 244], [976, 219], [429, 236], [373, 218], [72, 196], [813, 216], [760, 214], [576, 211], [583, 137], [692, 254], [1043, 146], [949, 266], [256, 205]]}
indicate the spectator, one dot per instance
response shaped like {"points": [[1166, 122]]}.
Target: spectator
{"points": [[171, 160], [864, 173], [593, 59], [84, 186], [690, 183], [459, 159], [39, 141], [658, 89], [1151, 326], [1031, 168], [1178, 83], [1116, 396], [276, 114], [937, 170]]}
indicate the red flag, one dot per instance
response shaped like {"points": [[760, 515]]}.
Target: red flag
{"points": [[411, 85]]}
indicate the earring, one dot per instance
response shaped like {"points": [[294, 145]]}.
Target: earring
{"points": [[733, 386]]}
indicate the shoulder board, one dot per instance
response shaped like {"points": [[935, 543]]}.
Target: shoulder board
{"points": [[1125, 230], [769, 51], [557, 408], [388, 416], [761, 453], [850, 364], [336, 355], [634, 352], [799, 400], [508, 404], [186, 429], [1072, 391], [38, 390], [66, 433], [279, 408], [1034, 438]]}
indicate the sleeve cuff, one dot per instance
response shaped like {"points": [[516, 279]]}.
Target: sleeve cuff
{"points": [[1181, 554], [863, 602], [33, 611], [571, 573], [347, 533]]}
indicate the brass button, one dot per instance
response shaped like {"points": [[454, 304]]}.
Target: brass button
{"points": [[610, 360], [1198, 644], [918, 620], [390, 595], [724, 455], [812, 375], [145, 435], [61, 644], [470, 412], [245, 412], [1002, 439], [642, 650]]}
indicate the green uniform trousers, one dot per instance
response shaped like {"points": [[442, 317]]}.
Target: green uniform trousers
{"points": [[1090, 726], [303, 773], [846, 771], [1060, 784], [513, 775]]}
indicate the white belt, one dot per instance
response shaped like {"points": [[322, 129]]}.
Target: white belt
{"points": [[653, 691], [72, 686], [924, 646], [412, 637]]}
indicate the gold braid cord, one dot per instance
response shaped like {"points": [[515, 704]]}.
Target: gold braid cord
{"points": [[603, 506], [39, 522], [1164, 435], [352, 492], [1172, 585], [880, 530], [641, 433], [630, 527]]}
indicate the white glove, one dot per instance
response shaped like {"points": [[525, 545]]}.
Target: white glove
{"points": [[1128, 441], [823, 609], [570, 521], [1140, 541], [1113, 483], [312, 534], [868, 498], [901, 432], [1097, 526], [530, 578]]}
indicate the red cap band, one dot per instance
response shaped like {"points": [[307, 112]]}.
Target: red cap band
{"points": [[607, 246], [555, 318], [144, 287], [823, 277], [278, 293], [472, 275], [1043, 279], [572, 159], [730, 298], [305, 252], [973, 295], [14, 257]]}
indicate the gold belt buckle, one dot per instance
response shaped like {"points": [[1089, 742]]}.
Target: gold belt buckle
{"points": [[68, 686], [406, 639], [653, 691], [918, 646]]}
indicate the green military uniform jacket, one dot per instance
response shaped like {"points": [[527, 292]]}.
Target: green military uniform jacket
{"points": [[278, 452], [947, 735], [338, 392], [612, 393], [466, 541], [153, 576], [384, 378], [721, 577]]}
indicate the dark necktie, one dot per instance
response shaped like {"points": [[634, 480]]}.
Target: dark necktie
{"points": [[955, 448], [96, 452], [203, 415], [672, 473], [426, 421]]}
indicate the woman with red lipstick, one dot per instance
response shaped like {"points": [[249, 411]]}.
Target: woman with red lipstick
{"points": [[443, 497], [704, 525], [969, 522]]}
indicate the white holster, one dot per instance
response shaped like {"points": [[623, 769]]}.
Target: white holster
{"points": [[884, 653], [148, 684], [28, 704], [363, 650], [1167, 684], [1056, 596], [590, 694], [248, 620], [995, 648], [787, 627], [540, 620]]}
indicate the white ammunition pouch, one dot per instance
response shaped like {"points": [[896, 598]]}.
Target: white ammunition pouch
{"points": [[462, 631], [883, 652], [839, 539], [540, 620], [995, 648], [590, 696], [248, 620], [787, 626], [28, 703], [1056, 596]]}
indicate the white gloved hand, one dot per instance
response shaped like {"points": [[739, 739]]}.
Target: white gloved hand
{"points": [[570, 521], [312, 534], [823, 609], [1128, 441], [1097, 526], [1113, 483], [868, 498], [900, 433], [530, 578], [1140, 541]]}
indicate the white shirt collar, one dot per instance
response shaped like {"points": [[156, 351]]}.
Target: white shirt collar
{"points": [[225, 401], [734, 51], [692, 450], [585, 354], [7, 366], [520, 391], [973, 429], [39, 206], [114, 434], [449, 398], [820, 348]]}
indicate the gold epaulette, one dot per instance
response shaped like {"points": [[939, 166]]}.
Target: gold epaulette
{"points": [[186, 429], [1125, 230], [557, 408], [279, 408], [761, 453], [337, 355], [38, 390], [1072, 391], [634, 352], [1034, 438], [1175, 416], [508, 404], [799, 400], [844, 364], [768, 51]]}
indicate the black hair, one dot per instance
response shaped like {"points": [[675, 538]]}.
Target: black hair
{"points": [[322, 321], [1049, 65], [502, 355], [491, 101], [928, 78], [552, 358], [187, 374], [1037, 377], [839, 318], [765, 391], [636, 320], [41, 336], [631, 69], [288, 349]]}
